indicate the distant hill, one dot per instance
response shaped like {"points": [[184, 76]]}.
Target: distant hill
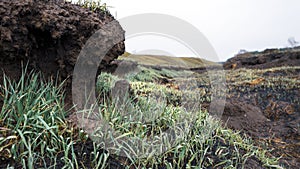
{"points": [[265, 59], [168, 61]]}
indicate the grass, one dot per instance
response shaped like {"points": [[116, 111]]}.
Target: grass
{"points": [[194, 147], [34, 131], [284, 81], [152, 75], [94, 5], [104, 82], [32, 119]]}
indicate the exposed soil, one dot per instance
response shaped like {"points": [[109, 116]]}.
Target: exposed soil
{"points": [[271, 118], [266, 59], [49, 36]]}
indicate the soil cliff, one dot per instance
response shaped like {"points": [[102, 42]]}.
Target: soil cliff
{"points": [[48, 35]]}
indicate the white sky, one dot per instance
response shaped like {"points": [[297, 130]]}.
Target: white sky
{"points": [[229, 25]]}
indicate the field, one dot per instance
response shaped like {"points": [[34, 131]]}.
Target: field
{"points": [[258, 129]]}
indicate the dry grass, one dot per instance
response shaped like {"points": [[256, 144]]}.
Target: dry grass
{"points": [[167, 61]]}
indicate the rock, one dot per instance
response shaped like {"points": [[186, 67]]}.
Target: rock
{"points": [[121, 89], [122, 68], [122, 93]]}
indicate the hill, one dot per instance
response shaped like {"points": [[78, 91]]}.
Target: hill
{"points": [[168, 61], [265, 59]]}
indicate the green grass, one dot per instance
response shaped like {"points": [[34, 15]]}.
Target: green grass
{"points": [[31, 119], [34, 130], [206, 144], [104, 83], [94, 5], [33, 126], [152, 75]]}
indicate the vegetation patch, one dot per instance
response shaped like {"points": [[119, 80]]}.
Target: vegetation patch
{"points": [[36, 134]]}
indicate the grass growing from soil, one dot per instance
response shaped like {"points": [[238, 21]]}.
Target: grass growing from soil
{"points": [[32, 120], [93, 5], [35, 133]]}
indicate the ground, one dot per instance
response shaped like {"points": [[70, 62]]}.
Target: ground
{"points": [[259, 127]]}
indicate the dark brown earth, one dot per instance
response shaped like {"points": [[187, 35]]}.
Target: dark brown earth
{"points": [[266, 59], [282, 135], [271, 117], [48, 35]]}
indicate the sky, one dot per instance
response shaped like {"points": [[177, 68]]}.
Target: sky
{"points": [[229, 25]]}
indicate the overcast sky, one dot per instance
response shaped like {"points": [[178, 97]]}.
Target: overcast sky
{"points": [[229, 25]]}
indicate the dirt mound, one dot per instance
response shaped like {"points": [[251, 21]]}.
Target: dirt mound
{"points": [[237, 114], [49, 36], [282, 133], [266, 59]]}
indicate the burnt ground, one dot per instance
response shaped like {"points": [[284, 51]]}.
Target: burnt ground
{"points": [[270, 115], [266, 59]]}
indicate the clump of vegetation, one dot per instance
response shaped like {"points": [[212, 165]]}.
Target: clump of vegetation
{"points": [[155, 75], [33, 121], [94, 5], [145, 75], [34, 131], [105, 82]]}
